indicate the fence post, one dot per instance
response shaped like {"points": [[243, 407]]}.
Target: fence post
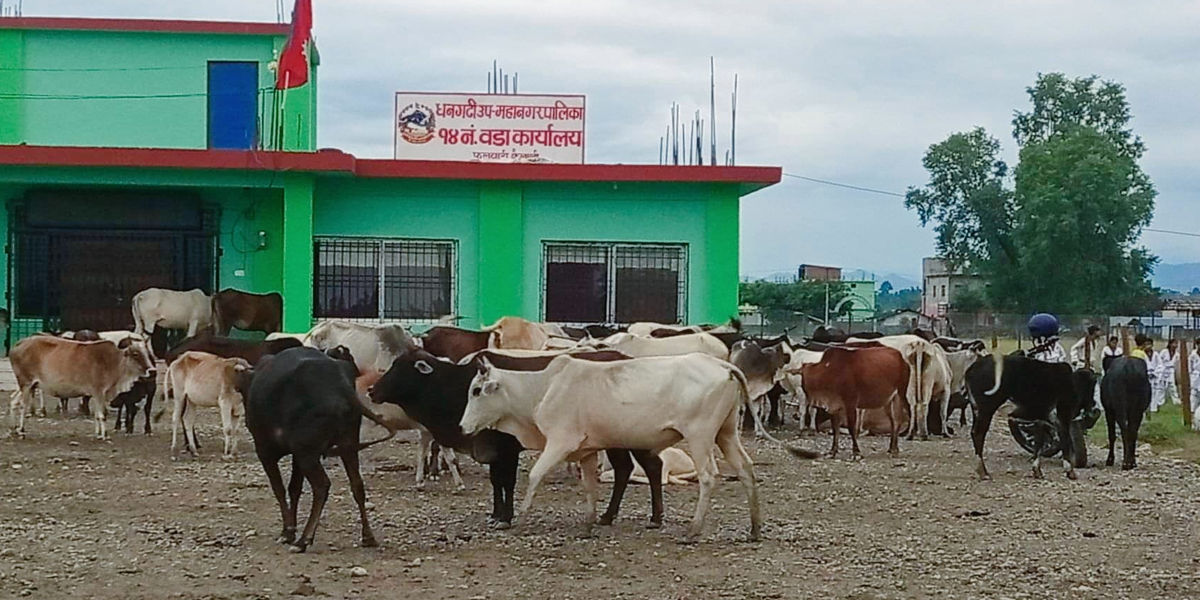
{"points": [[1125, 340]]}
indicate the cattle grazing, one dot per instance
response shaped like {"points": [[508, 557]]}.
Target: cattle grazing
{"points": [[454, 343], [198, 379], [126, 403], [849, 379], [402, 422], [434, 392], [155, 308], [1036, 388], [251, 351], [1125, 394], [302, 402], [66, 369], [374, 346], [648, 404], [248, 312], [642, 347]]}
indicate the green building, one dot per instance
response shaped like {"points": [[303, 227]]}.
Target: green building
{"points": [[137, 153]]}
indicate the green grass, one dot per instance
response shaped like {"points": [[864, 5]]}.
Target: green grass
{"points": [[1163, 430]]}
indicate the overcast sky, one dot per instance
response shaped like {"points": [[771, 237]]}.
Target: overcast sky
{"points": [[845, 91]]}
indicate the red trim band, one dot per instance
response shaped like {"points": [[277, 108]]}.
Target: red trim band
{"points": [[145, 25]]}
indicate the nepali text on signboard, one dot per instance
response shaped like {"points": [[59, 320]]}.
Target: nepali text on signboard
{"points": [[490, 127]]}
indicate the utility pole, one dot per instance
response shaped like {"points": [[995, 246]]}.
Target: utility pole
{"points": [[827, 304]]}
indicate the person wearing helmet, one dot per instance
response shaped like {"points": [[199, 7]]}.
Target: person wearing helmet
{"points": [[1043, 328]]}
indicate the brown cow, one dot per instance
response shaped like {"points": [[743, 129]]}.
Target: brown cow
{"points": [[454, 343], [248, 312], [66, 368], [849, 379]]}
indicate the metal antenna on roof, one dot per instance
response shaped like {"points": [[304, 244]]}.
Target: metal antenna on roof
{"points": [[733, 125], [495, 76], [712, 107]]}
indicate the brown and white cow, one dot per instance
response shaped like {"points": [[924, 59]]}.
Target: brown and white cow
{"points": [[398, 420], [170, 309], [454, 343], [67, 369], [199, 379], [374, 347], [849, 379], [576, 408], [923, 373], [248, 312]]}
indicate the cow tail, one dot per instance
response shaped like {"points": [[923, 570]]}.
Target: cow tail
{"points": [[748, 402], [370, 413], [921, 376], [999, 374], [135, 306]]}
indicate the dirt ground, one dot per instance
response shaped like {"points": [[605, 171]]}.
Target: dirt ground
{"points": [[85, 519]]}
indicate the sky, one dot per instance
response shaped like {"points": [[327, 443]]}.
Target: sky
{"points": [[852, 92]]}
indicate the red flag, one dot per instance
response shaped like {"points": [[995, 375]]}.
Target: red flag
{"points": [[292, 70]]}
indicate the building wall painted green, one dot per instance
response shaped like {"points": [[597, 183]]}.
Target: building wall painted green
{"points": [[624, 212], [298, 191], [167, 74], [501, 224], [12, 82], [421, 209], [721, 255]]}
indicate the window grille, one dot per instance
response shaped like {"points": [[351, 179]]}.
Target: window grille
{"points": [[384, 279], [614, 282]]}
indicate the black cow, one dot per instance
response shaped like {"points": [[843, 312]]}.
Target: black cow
{"points": [[249, 350], [1125, 394], [1036, 388], [302, 402], [434, 393], [126, 403]]}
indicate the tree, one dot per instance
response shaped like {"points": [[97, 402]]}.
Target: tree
{"points": [[1064, 239], [885, 288], [802, 296]]}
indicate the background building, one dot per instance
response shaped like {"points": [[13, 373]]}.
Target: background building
{"points": [[137, 153], [941, 286]]}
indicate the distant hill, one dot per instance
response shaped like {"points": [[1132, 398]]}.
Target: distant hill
{"points": [[1181, 277]]}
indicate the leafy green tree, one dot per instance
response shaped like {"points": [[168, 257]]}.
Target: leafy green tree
{"points": [[801, 296], [1064, 239]]}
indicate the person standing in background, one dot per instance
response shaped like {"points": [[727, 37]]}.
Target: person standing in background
{"points": [[1164, 363], [1194, 371], [1083, 352], [1111, 351]]}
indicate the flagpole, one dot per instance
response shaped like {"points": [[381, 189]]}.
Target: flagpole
{"points": [[287, 76]]}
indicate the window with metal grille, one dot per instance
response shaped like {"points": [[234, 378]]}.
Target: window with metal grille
{"points": [[614, 282], [383, 279]]}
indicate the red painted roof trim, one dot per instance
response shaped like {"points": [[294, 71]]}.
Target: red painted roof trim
{"points": [[338, 162], [145, 25]]}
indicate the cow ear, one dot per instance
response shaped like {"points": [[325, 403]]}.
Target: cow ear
{"points": [[484, 364], [423, 367], [124, 343]]}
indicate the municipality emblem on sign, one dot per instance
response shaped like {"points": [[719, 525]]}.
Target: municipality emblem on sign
{"points": [[417, 125]]}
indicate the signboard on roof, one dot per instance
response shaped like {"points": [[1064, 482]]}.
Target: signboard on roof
{"points": [[489, 127]]}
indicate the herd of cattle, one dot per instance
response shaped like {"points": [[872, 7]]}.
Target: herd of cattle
{"points": [[569, 393]]}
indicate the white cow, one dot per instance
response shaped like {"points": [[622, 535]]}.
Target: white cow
{"points": [[677, 468], [923, 375], [641, 347], [374, 347], [515, 333], [278, 335], [648, 403], [169, 309], [199, 379]]}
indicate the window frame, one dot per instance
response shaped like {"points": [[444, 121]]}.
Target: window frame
{"points": [[611, 249], [381, 253]]}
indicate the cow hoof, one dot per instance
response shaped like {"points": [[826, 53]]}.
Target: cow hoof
{"points": [[296, 549], [654, 525], [1128, 466], [370, 542], [502, 525], [1072, 476], [689, 539], [1110, 462], [1038, 475], [286, 537], [755, 535], [606, 520]]}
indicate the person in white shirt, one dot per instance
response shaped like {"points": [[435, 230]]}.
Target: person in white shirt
{"points": [[1164, 364], [1048, 349], [1194, 372], [1112, 350], [1083, 353]]}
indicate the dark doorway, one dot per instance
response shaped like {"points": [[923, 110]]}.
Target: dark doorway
{"points": [[69, 272]]}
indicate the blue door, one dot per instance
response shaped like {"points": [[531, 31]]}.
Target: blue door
{"points": [[232, 105]]}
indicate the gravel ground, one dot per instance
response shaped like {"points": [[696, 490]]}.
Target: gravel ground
{"points": [[87, 519]]}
